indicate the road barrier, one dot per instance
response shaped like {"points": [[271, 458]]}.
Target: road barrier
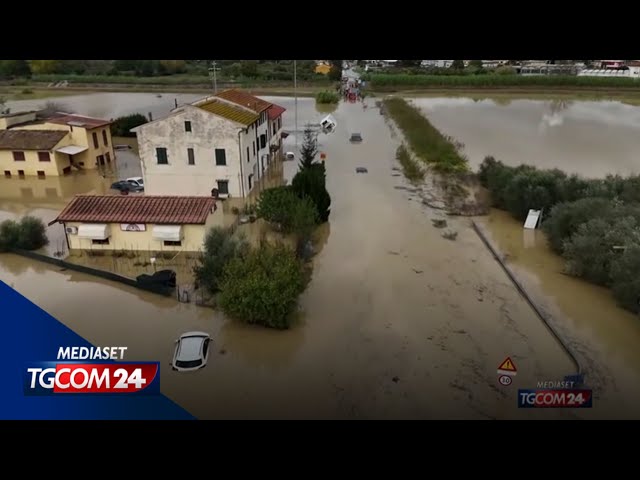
{"points": [[545, 319], [114, 277]]}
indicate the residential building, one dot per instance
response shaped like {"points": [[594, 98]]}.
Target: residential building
{"points": [[144, 222], [34, 152], [219, 145], [84, 142]]}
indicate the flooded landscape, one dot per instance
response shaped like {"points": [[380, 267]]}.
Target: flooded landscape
{"points": [[397, 322]]}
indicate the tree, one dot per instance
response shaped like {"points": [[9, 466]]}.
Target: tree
{"points": [[219, 249], [263, 286], [335, 74], [31, 234], [249, 68], [172, 67], [309, 148], [310, 182], [289, 212], [9, 231], [625, 280], [590, 251], [43, 66], [14, 68], [121, 126], [457, 65], [409, 63]]}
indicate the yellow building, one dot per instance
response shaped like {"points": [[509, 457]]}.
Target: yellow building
{"points": [[138, 223], [323, 68], [86, 142], [34, 152]]}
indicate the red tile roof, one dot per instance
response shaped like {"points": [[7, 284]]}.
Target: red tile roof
{"points": [[79, 121], [30, 139], [275, 111], [244, 99], [172, 210]]}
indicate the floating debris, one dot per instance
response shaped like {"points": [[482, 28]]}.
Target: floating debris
{"points": [[439, 223], [361, 170], [450, 235]]}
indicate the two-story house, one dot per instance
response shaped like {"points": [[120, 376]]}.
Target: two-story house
{"points": [[221, 144], [52, 146]]}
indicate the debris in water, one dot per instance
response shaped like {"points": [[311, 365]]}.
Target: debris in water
{"points": [[62, 270], [450, 235], [395, 379], [417, 271], [222, 351], [391, 252], [439, 223], [361, 170], [396, 175], [461, 331]]}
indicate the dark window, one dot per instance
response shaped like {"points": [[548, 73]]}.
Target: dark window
{"points": [[187, 126], [279, 124], [66, 170], [104, 138], [274, 128], [100, 242], [95, 140], [161, 154], [221, 156], [41, 173], [250, 179], [18, 156], [247, 154], [71, 128], [191, 156], [263, 140], [81, 164], [7, 173], [171, 243], [107, 157], [223, 186], [254, 148], [44, 157], [21, 173]]}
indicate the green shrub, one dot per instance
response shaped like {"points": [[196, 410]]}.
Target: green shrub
{"points": [[327, 96], [589, 252], [26, 91], [284, 208], [537, 189], [9, 232], [564, 219], [121, 127], [310, 182], [263, 286], [27, 234], [625, 279], [219, 249], [425, 140]]}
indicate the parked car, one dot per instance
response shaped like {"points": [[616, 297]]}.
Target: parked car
{"points": [[122, 146], [355, 138], [137, 181], [192, 351], [126, 186], [290, 155]]}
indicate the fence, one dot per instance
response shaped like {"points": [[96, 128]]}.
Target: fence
{"points": [[114, 277], [530, 301]]}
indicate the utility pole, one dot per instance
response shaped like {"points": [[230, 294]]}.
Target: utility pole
{"points": [[295, 96], [212, 75]]}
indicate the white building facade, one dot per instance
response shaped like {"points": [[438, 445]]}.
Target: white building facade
{"points": [[213, 146]]}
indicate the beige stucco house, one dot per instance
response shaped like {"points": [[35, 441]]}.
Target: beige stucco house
{"points": [[220, 144], [138, 223]]}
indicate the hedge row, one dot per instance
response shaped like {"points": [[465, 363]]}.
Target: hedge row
{"points": [[593, 223]]}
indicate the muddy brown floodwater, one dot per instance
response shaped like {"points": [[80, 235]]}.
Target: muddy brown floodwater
{"points": [[397, 322]]}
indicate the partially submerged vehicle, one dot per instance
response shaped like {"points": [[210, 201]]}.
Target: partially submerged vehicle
{"points": [[191, 352], [355, 138]]}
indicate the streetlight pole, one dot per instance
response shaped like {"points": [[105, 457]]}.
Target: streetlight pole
{"points": [[295, 96], [212, 75]]}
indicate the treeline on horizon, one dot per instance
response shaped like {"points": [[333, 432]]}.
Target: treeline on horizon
{"points": [[52, 70]]}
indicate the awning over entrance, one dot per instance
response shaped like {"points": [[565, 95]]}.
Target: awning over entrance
{"points": [[171, 233], [72, 149], [94, 231]]}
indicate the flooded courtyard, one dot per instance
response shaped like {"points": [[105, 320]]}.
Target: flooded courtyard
{"points": [[397, 322]]}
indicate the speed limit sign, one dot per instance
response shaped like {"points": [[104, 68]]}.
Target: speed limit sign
{"points": [[505, 380]]}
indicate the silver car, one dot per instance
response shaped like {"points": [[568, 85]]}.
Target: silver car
{"points": [[192, 351]]}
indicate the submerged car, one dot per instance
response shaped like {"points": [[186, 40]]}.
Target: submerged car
{"points": [[355, 138], [136, 181], [126, 186], [192, 351]]}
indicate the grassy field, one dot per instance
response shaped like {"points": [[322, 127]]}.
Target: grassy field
{"points": [[424, 139], [410, 168]]}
